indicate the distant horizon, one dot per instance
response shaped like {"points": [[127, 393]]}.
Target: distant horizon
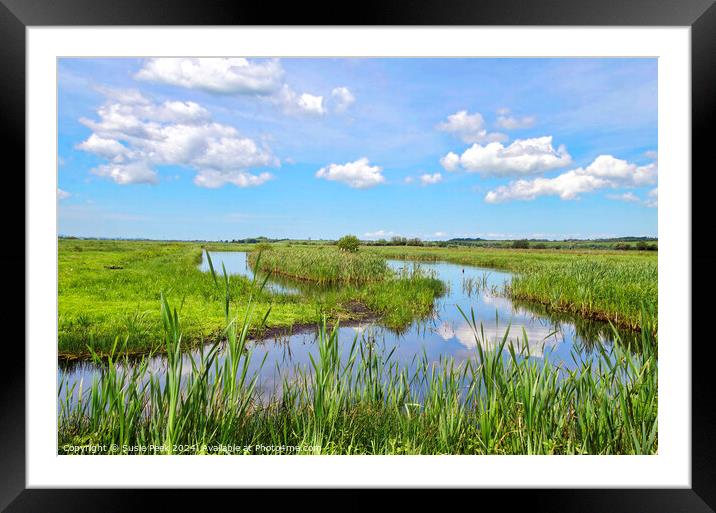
{"points": [[319, 239], [495, 148]]}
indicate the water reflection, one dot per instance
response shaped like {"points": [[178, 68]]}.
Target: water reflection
{"points": [[445, 333]]}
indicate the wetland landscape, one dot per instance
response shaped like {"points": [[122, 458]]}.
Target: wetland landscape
{"points": [[357, 256]]}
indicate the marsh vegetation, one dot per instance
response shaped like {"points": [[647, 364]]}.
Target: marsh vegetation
{"points": [[547, 379]]}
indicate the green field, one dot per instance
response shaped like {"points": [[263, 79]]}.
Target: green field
{"points": [[110, 289]]}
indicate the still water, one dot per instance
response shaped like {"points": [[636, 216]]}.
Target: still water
{"points": [[445, 333]]}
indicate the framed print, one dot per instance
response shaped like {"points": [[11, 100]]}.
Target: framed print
{"points": [[266, 251]]}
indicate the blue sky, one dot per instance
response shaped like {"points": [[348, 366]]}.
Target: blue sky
{"points": [[298, 148]]}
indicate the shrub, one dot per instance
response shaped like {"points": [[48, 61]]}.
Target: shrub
{"points": [[520, 244], [348, 243], [622, 246]]}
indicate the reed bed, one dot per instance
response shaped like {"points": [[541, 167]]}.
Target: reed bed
{"points": [[594, 289], [500, 402], [324, 265], [601, 285]]}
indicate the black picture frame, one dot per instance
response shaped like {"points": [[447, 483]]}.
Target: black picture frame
{"points": [[700, 15]]}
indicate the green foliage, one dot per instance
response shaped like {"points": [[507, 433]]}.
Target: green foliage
{"points": [[348, 243], [622, 246], [520, 244]]}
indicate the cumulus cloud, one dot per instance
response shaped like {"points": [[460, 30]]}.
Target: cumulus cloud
{"points": [[342, 99], [109, 149], [604, 172], [522, 157], [136, 135], [62, 194], [470, 128], [295, 103], [215, 75], [359, 174], [431, 179], [450, 162], [506, 121], [653, 198], [238, 75]]}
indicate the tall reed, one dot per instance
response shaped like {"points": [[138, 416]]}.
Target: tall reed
{"points": [[323, 264], [356, 399]]}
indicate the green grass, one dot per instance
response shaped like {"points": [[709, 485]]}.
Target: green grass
{"points": [[366, 404], [604, 285], [112, 288], [595, 288], [325, 265]]}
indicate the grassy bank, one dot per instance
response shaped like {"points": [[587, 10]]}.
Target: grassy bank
{"points": [[324, 265], [112, 288], [368, 405], [604, 285]]}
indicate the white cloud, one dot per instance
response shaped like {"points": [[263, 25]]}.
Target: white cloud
{"points": [[295, 103], [507, 122], [380, 234], [605, 172], [652, 154], [408, 180], [539, 336], [629, 197], [213, 179], [124, 174], [237, 76], [522, 157], [451, 162], [608, 167], [440, 234], [653, 200], [470, 128], [359, 174], [138, 135], [428, 179], [62, 194], [342, 98], [215, 75], [109, 149], [310, 103]]}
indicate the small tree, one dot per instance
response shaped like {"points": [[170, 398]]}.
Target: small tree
{"points": [[348, 243], [520, 244]]}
